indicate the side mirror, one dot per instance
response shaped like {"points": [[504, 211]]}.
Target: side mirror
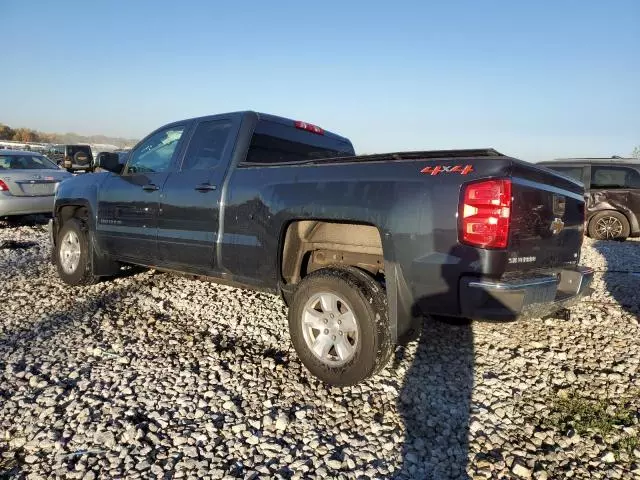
{"points": [[109, 161]]}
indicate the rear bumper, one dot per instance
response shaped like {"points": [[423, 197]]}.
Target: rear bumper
{"points": [[14, 205], [525, 297]]}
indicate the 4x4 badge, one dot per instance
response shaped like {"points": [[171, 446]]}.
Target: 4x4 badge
{"points": [[462, 170]]}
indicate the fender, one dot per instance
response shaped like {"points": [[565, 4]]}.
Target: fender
{"points": [[81, 193]]}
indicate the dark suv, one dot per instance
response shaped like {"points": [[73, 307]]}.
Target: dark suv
{"points": [[72, 157], [612, 190]]}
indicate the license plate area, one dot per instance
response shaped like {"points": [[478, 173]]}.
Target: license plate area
{"points": [[37, 189]]}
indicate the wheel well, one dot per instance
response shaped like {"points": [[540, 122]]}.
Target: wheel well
{"points": [[312, 244], [71, 211], [608, 210]]}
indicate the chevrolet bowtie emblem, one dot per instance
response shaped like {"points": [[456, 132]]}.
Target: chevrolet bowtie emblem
{"points": [[557, 226]]}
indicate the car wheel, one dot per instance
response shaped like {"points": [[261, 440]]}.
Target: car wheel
{"points": [[339, 325], [72, 254], [609, 225]]}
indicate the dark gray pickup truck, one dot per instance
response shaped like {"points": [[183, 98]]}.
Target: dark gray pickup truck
{"points": [[359, 247]]}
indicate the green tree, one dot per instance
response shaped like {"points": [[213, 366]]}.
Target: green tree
{"points": [[636, 152]]}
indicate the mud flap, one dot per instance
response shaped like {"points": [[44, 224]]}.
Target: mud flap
{"points": [[405, 321]]}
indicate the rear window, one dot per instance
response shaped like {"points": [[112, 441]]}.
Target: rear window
{"points": [[73, 149], [274, 142], [26, 162], [614, 177], [574, 172]]}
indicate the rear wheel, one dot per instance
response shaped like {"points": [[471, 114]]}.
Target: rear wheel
{"points": [[609, 225], [72, 254], [339, 325]]}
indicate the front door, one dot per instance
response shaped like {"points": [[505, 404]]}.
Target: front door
{"points": [[128, 203], [190, 200]]}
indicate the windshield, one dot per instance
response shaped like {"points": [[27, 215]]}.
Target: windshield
{"points": [[26, 162]]}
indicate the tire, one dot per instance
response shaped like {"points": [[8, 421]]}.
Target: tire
{"points": [[609, 225], [366, 344], [81, 159], [73, 249]]}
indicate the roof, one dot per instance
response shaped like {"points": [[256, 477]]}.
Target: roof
{"points": [[617, 160], [259, 115]]}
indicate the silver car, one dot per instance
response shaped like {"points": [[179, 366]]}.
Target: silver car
{"points": [[28, 181]]}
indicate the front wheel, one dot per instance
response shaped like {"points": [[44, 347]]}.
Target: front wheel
{"points": [[609, 225], [339, 325], [72, 254]]}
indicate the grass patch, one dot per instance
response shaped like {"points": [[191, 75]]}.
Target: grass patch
{"points": [[627, 445], [585, 415]]}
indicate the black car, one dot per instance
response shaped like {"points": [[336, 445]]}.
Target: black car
{"points": [[612, 190], [72, 157]]}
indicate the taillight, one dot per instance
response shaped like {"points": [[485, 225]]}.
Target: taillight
{"points": [[3, 187], [484, 213], [309, 127]]}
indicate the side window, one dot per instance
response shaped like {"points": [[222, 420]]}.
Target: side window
{"points": [[156, 152], [614, 177], [207, 145], [574, 172]]}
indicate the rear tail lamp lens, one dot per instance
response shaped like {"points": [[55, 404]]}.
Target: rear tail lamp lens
{"points": [[485, 213]]}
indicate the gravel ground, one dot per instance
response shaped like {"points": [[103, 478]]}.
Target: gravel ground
{"points": [[157, 376]]}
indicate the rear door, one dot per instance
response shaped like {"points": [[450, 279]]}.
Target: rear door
{"points": [[188, 220], [547, 222], [128, 203], [615, 187]]}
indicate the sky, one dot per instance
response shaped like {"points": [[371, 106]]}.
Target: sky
{"points": [[533, 79]]}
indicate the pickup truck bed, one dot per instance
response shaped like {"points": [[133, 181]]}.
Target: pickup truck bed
{"points": [[371, 241]]}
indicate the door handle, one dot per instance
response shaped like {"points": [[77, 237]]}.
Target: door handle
{"points": [[205, 187], [150, 187]]}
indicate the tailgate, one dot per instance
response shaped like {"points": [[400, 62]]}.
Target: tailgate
{"points": [[547, 219]]}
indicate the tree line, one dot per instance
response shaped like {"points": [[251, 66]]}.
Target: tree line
{"points": [[24, 135], [30, 135]]}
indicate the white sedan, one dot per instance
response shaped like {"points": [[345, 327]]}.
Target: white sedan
{"points": [[28, 181]]}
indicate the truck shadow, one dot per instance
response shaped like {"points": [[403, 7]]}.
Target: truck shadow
{"points": [[435, 401], [622, 275]]}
